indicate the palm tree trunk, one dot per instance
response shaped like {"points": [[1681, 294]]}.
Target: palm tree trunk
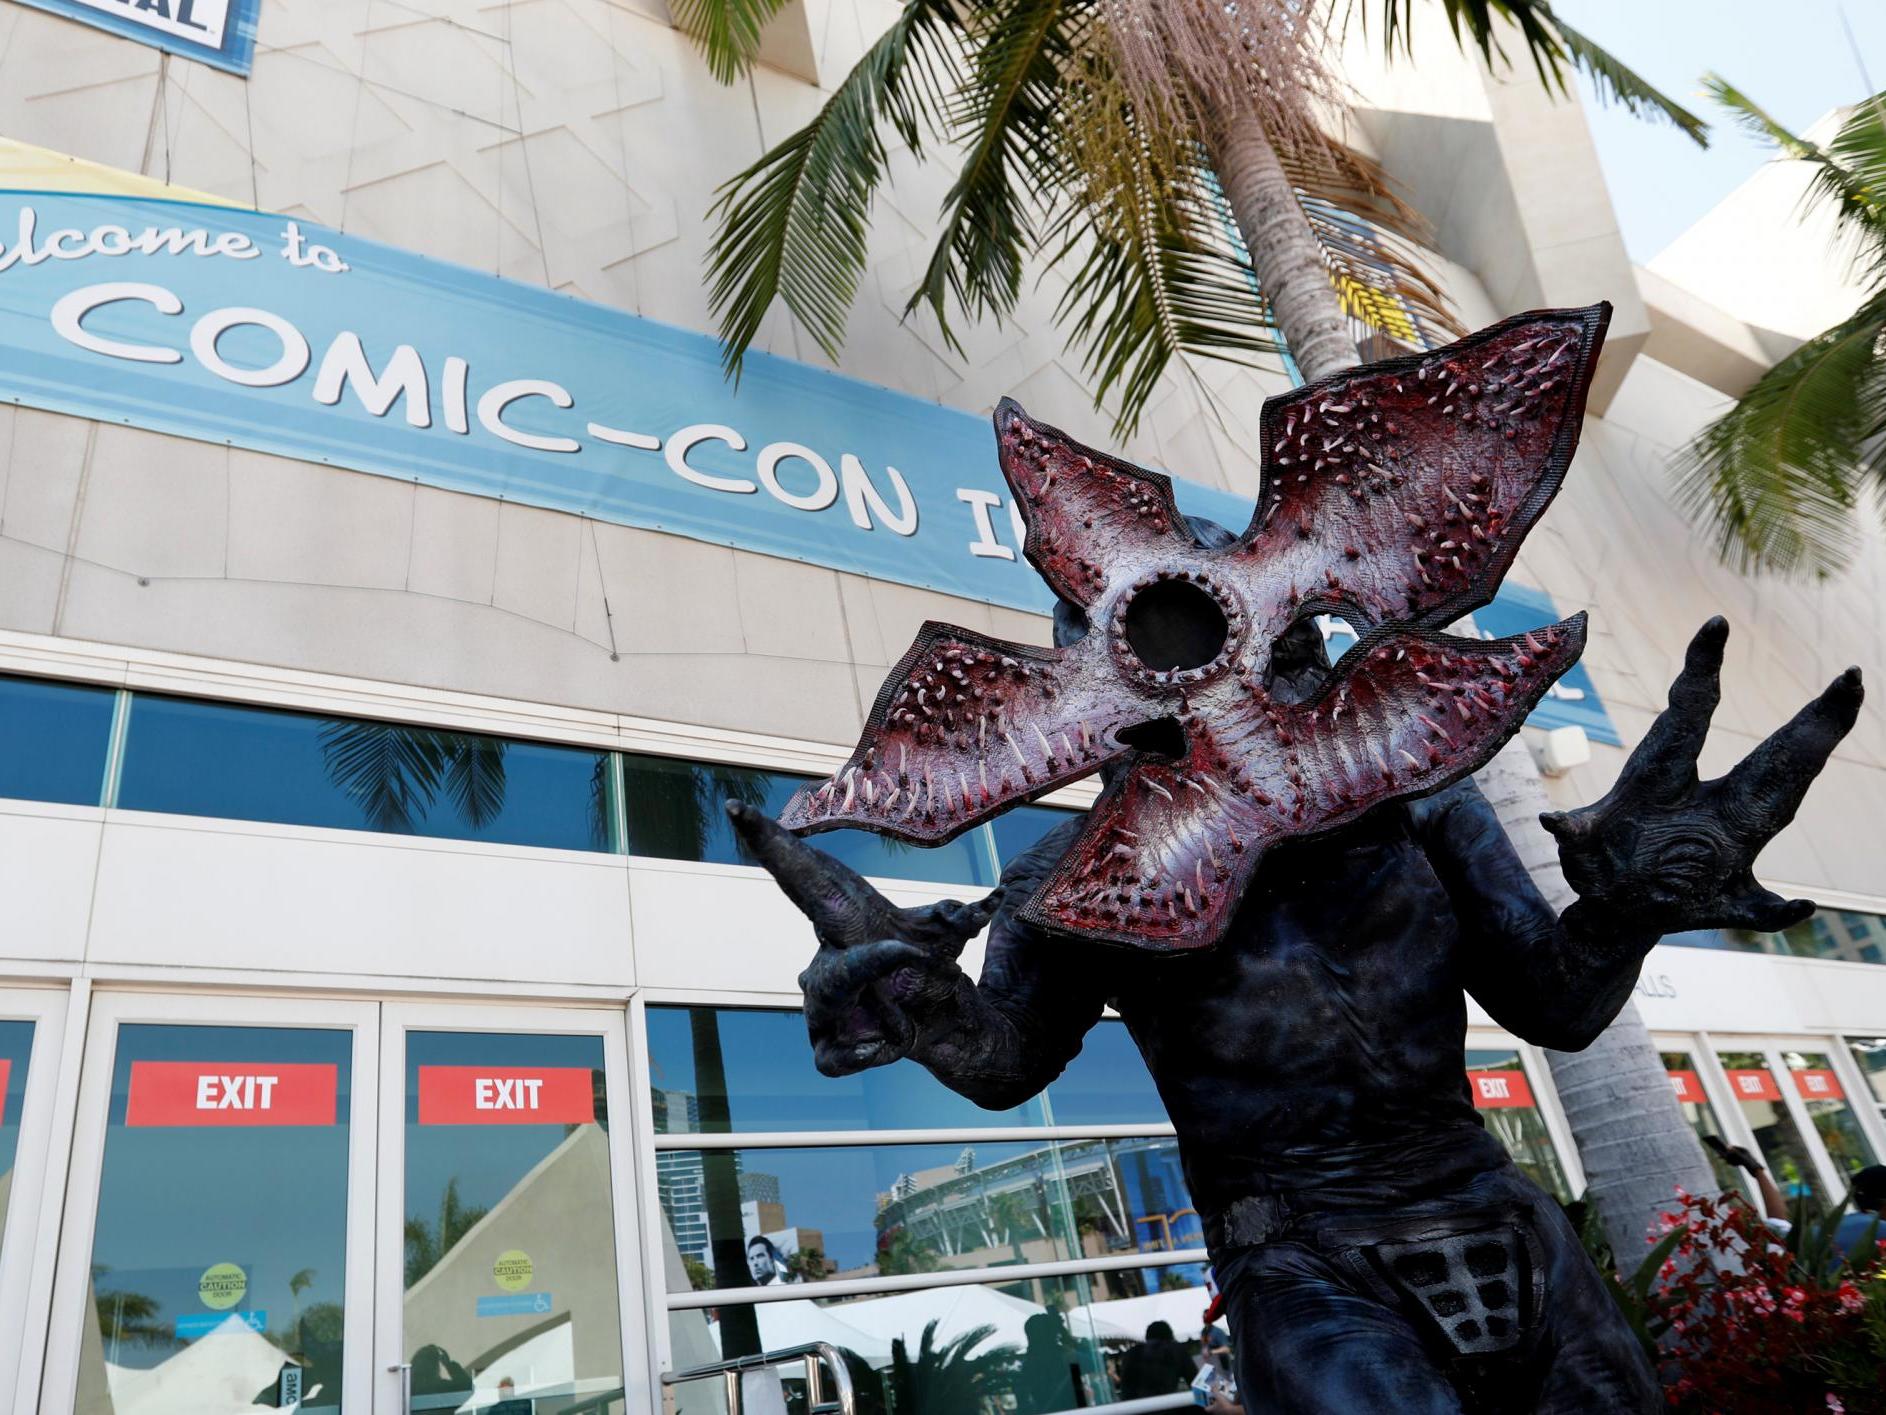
{"points": [[1631, 1135], [1285, 255]]}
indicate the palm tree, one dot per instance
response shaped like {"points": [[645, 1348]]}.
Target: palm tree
{"points": [[1778, 475], [128, 1318], [1174, 157], [427, 1243], [949, 1379]]}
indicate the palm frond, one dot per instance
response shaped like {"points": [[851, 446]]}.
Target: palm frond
{"points": [[727, 32], [1849, 173], [474, 777], [1553, 45], [1371, 242], [390, 771], [1777, 476], [1143, 295], [794, 225], [1006, 114], [1616, 82], [1159, 270], [1153, 266]]}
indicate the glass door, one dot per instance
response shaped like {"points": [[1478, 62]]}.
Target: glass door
{"points": [[32, 1026], [217, 1244], [1794, 1101], [507, 1280], [1686, 1082], [1824, 1098]]}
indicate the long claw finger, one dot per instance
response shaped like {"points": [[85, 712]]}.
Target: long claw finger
{"points": [[1664, 763], [831, 894], [1767, 787], [1764, 911], [1567, 827]]}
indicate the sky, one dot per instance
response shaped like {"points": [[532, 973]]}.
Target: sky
{"points": [[1795, 59]]}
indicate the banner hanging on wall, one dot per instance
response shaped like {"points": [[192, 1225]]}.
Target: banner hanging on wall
{"points": [[216, 32], [260, 331]]}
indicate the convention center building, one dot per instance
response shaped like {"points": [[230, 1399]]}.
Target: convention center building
{"points": [[392, 588]]}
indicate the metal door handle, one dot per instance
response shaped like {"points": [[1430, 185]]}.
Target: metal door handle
{"points": [[404, 1370]]}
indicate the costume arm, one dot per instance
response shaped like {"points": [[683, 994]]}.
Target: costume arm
{"points": [[885, 982], [1537, 975], [1002, 1039], [1663, 851]]}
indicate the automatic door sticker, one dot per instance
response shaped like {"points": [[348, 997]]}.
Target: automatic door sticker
{"points": [[512, 1270], [222, 1286]]}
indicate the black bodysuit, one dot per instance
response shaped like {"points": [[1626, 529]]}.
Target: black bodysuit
{"points": [[1359, 1215]]}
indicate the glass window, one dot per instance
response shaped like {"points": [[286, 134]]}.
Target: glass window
{"points": [[16, 1051], [1016, 830], [717, 1070], [1869, 1054], [1107, 1084], [53, 740], [1828, 933], [1049, 1344], [245, 763], [1759, 1094], [762, 1217], [1826, 1101], [1503, 1096], [219, 1258], [674, 810], [510, 1251], [1694, 1102], [724, 1070]]}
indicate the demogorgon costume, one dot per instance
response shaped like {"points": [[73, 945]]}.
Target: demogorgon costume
{"points": [[1290, 878]]}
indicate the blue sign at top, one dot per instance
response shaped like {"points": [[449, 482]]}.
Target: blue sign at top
{"points": [[217, 32], [239, 327]]}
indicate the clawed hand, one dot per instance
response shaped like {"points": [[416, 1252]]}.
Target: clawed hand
{"points": [[877, 964], [1666, 851]]}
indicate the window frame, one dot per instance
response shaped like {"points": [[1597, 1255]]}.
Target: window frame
{"points": [[625, 1181], [1834, 1181], [28, 1244], [1545, 1095], [112, 1010], [661, 1302]]}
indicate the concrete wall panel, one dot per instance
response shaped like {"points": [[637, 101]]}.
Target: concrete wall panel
{"points": [[189, 893]]}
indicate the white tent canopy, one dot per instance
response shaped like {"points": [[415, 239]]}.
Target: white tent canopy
{"points": [[1183, 1308]]}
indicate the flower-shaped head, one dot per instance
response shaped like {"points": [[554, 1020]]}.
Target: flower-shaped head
{"points": [[1395, 495]]}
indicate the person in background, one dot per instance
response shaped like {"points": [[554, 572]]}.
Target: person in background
{"points": [[1867, 1222], [1159, 1365], [1774, 1205], [1868, 1198], [1046, 1380]]}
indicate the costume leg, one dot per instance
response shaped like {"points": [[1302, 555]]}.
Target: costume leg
{"points": [[1591, 1360], [1308, 1343]]}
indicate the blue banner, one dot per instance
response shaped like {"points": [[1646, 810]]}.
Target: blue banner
{"points": [[234, 326], [217, 32]]}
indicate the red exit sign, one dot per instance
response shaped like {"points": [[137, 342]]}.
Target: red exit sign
{"points": [[231, 1093], [506, 1095]]}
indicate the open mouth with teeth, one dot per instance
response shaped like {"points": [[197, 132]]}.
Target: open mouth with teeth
{"points": [[1395, 496]]}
